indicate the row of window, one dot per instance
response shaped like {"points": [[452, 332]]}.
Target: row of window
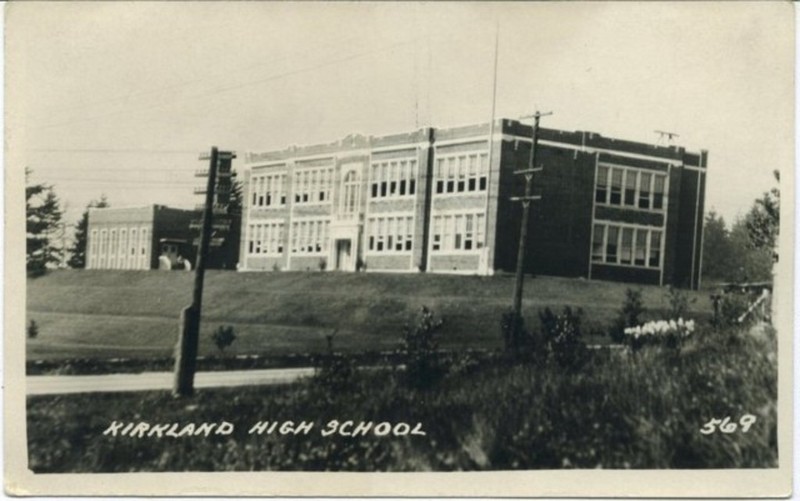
{"points": [[265, 238], [310, 237], [458, 232], [630, 188], [396, 178], [313, 185], [390, 234], [118, 248], [626, 245], [269, 190], [461, 173]]}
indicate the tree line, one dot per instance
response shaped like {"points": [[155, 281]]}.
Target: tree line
{"points": [[745, 251]]}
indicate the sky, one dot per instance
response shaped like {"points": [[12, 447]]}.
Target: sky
{"points": [[119, 99]]}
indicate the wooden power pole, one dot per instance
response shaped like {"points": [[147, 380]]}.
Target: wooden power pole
{"points": [[526, 203], [189, 327]]}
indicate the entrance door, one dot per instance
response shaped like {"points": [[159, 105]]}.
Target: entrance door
{"points": [[343, 255]]}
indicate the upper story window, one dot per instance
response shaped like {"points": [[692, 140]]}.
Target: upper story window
{"points": [[395, 178], [461, 173], [350, 195], [313, 186], [269, 190], [629, 187]]}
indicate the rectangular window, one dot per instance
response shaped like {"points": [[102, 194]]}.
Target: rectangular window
{"points": [[597, 242], [461, 169], [630, 188], [458, 228], [447, 237], [640, 250], [409, 233], [601, 188], [644, 190], [483, 169], [658, 191], [626, 249], [655, 249], [437, 233], [440, 176], [480, 222], [400, 232], [616, 187], [611, 244], [451, 175], [379, 244], [468, 239]]}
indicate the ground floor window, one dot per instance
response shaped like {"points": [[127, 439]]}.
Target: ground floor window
{"points": [[458, 232], [265, 239], [626, 245], [390, 233], [310, 236]]}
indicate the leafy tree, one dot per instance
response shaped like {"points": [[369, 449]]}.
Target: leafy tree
{"points": [[78, 251], [747, 263], [763, 220], [717, 249], [42, 219]]}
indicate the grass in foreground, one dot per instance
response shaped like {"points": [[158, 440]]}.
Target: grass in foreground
{"points": [[621, 410]]}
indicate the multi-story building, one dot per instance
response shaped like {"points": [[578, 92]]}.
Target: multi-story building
{"points": [[438, 200], [134, 238]]}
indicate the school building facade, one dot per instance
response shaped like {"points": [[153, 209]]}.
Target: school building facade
{"points": [[438, 200], [133, 238]]}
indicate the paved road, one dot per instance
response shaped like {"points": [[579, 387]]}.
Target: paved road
{"points": [[51, 385]]}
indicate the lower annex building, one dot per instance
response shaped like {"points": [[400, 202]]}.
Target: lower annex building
{"points": [[438, 200], [134, 238]]}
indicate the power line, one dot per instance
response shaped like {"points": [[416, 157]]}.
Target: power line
{"points": [[108, 150], [229, 88], [185, 83]]}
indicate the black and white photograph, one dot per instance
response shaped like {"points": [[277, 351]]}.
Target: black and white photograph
{"points": [[305, 248]]}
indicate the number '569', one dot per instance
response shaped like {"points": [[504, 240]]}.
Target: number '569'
{"points": [[727, 426]]}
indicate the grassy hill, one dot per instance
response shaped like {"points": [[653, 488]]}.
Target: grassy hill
{"points": [[93, 313]]}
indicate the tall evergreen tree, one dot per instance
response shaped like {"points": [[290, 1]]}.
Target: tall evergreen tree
{"points": [[77, 257], [42, 219], [763, 220], [717, 249]]}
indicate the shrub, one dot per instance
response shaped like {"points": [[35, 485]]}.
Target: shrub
{"points": [[679, 302], [629, 316], [419, 352], [323, 263], [33, 329], [276, 267], [733, 306], [517, 340], [333, 372], [223, 337], [561, 337], [361, 265]]}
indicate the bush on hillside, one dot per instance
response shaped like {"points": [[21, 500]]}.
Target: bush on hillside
{"points": [[423, 364], [223, 337], [630, 315], [561, 337]]}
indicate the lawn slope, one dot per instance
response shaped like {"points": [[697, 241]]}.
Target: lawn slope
{"points": [[93, 313]]}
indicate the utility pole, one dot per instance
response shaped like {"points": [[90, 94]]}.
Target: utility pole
{"points": [[526, 206], [189, 327]]}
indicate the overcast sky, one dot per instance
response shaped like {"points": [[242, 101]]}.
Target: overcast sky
{"points": [[119, 99]]}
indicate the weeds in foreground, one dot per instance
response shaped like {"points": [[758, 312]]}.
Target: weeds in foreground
{"points": [[617, 411]]}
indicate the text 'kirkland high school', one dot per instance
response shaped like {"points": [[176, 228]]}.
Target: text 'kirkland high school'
{"points": [[438, 200]]}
